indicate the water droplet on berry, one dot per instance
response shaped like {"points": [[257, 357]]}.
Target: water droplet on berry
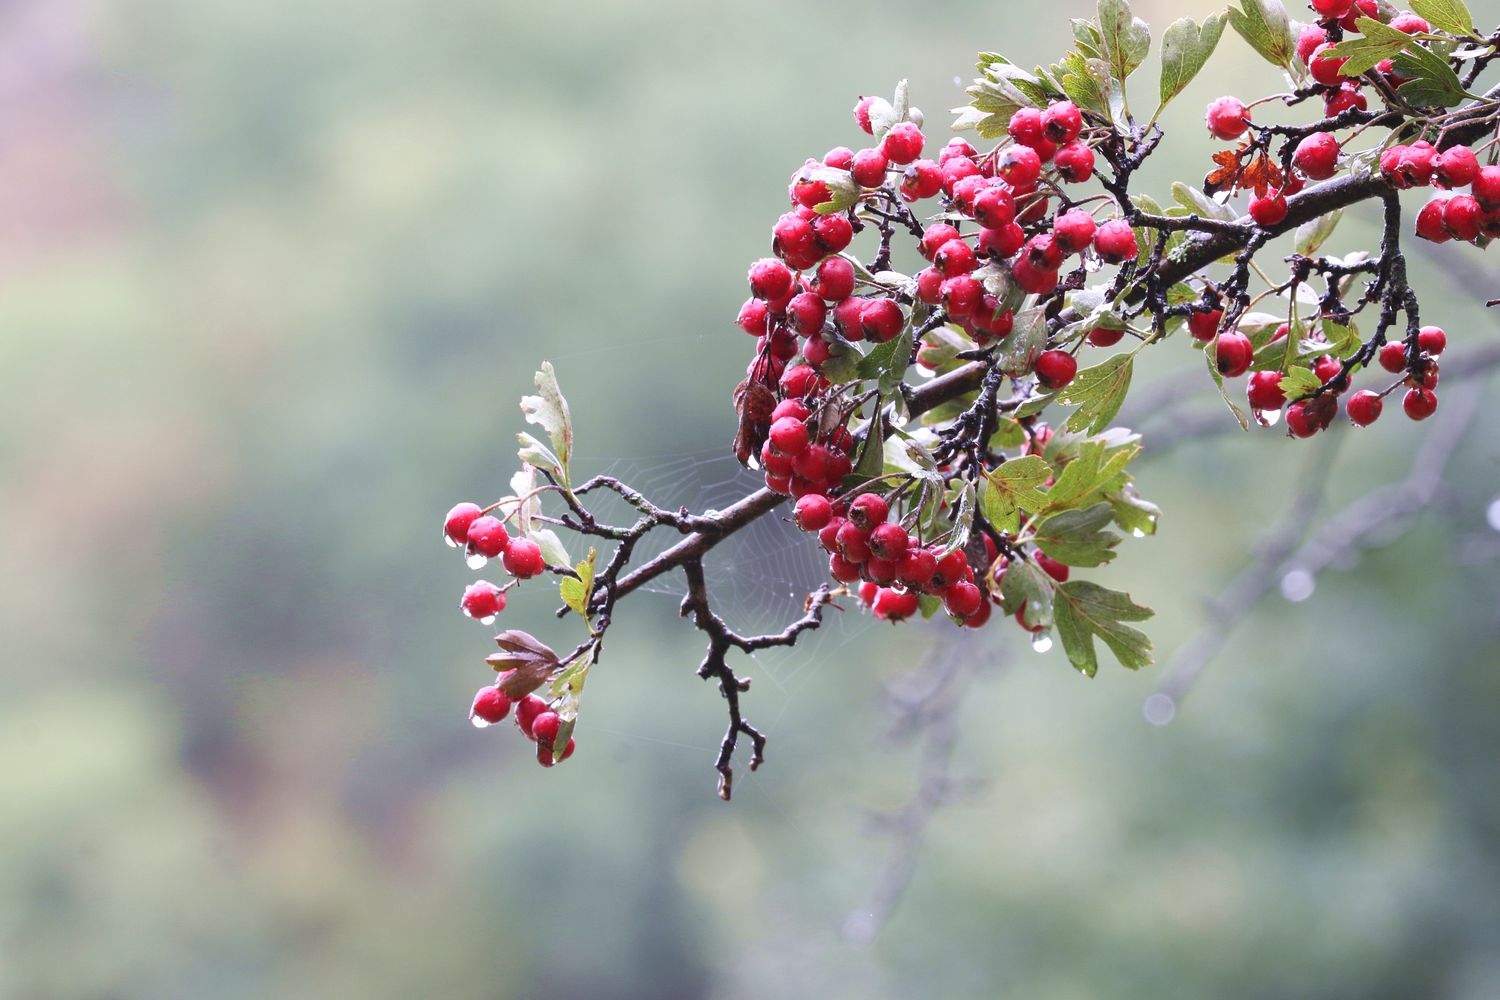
{"points": [[487, 620], [478, 722], [1159, 709], [1269, 418], [448, 541], [475, 560], [1298, 585], [1137, 532], [1041, 642], [1492, 515]]}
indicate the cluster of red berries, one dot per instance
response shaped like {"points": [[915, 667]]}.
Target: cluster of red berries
{"points": [[534, 718], [483, 537]]}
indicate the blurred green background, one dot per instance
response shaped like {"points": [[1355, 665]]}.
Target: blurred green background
{"points": [[272, 277]]}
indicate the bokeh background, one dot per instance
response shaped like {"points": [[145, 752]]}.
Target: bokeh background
{"points": [[272, 277]]}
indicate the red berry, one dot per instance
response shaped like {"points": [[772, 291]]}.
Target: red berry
{"points": [[523, 560], [834, 280], [1419, 403], [930, 285], [1026, 126], [1264, 391], [527, 710], [868, 168], [1411, 24], [799, 382], [1430, 224], [1360, 8], [1317, 156], [868, 510], [1456, 167], [1058, 571], [792, 234], [1203, 324], [1308, 41], [546, 757], [1228, 118], [806, 313], [1327, 368], [1074, 230], [789, 436], [881, 320], [832, 233], [1432, 339], [1349, 95], [1062, 122], [894, 605], [1002, 242], [1074, 162], [862, 114], [1103, 336], [922, 179], [1020, 166], [770, 278], [916, 567], [1300, 421], [1325, 66], [753, 317], [934, 236], [812, 463], [1115, 242], [482, 600], [994, 207], [1461, 217], [951, 568], [1268, 211], [544, 729], [1234, 354], [1032, 278], [490, 707], [954, 258], [888, 541], [962, 295], [812, 512], [488, 537], [456, 524], [955, 170], [1330, 9], [1055, 369], [903, 143], [854, 542], [962, 599], [1486, 188], [1364, 407], [842, 569], [1392, 357]]}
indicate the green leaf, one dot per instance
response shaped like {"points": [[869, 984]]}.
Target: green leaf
{"points": [[1080, 537], [1213, 370], [1086, 82], [1132, 512], [551, 546], [1011, 488], [1266, 25], [1451, 16], [1084, 610], [1312, 234], [1298, 382], [1185, 48], [566, 694], [1199, 203], [576, 593], [963, 519], [1376, 43], [1127, 39], [1027, 340], [1101, 390], [1025, 583], [871, 461], [549, 411], [1093, 471], [533, 452], [888, 361], [1431, 82]]}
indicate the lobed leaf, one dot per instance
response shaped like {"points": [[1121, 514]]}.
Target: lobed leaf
{"points": [[1085, 611]]}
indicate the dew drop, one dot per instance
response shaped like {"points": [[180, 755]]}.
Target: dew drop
{"points": [[475, 560], [1137, 532], [464, 611], [1041, 642], [1159, 709], [1298, 585], [448, 541], [487, 620], [478, 722], [1269, 417], [1492, 515]]}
